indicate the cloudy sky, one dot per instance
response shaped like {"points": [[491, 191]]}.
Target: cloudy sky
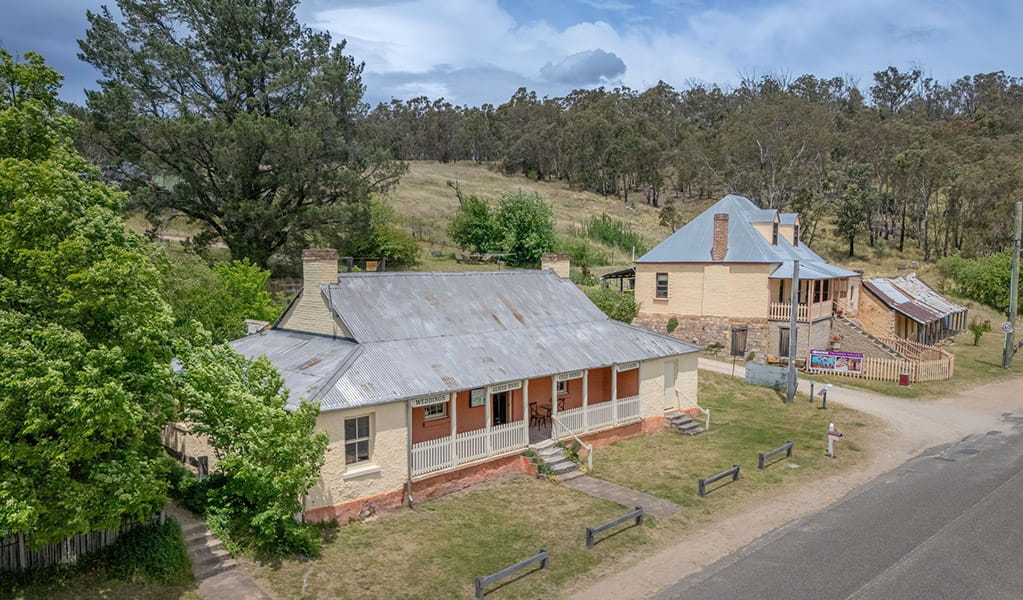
{"points": [[475, 51]]}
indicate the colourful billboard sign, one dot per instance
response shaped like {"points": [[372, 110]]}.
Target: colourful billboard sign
{"points": [[836, 362]]}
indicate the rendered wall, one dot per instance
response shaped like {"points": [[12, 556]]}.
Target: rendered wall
{"points": [[728, 290], [878, 320], [387, 468]]}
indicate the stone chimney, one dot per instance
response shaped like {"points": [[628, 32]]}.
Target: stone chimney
{"points": [[720, 247], [312, 313], [559, 263]]}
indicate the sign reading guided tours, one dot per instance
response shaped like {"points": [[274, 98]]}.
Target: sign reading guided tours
{"points": [[504, 387], [836, 362]]}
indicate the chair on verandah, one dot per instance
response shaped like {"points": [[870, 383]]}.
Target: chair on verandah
{"points": [[536, 416]]}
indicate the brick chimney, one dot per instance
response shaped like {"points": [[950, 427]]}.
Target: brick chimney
{"points": [[312, 313], [319, 265], [559, 263], [720, 247]]}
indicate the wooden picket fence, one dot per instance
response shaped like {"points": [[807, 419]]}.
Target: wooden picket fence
{"points": [[889, 369], [16, 553]]}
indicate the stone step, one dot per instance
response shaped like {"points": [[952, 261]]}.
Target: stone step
{"points": [[688, 426], [569, 476], [549, 453], [207, 571], [541, 445], [188, 529], [210, 557], [213, 548], [199, 537], [563, 467]]}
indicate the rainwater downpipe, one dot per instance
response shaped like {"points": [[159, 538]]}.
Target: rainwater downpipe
{"points": [[408, 453]]}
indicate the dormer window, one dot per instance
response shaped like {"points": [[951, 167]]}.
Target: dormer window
{"points": [[795, 234], [774, 233]]}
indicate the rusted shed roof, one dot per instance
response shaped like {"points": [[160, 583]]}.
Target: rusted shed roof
{"points": [[912, 297]]}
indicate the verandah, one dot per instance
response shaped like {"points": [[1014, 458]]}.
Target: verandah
{"points": [[448, 430]]}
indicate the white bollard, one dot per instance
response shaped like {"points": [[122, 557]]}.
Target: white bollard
{"points": [[832, 436]]}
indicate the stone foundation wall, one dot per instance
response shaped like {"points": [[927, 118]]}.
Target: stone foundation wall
{"points": [[816, 336], [709, 330]]}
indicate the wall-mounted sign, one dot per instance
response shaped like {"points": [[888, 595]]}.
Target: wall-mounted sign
{"points": [[504, 387], [627, 366], [476, 398], [569, 375], [429, 400], [836, 362]]}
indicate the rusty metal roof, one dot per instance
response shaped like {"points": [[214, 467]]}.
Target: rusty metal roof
{"points": [[425, 333], [912, 297]]}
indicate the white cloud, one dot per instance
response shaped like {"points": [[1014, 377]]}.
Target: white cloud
{"points": [[406, 43]]}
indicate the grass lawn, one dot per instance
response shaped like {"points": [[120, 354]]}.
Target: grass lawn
{"points": [[95, 585], [436, 549], [745, 420]]}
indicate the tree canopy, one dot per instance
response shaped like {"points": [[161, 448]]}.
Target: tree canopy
{"points": [[233, 113], [85, 378]]}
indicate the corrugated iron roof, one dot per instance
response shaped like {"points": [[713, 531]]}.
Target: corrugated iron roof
{"points": [[308, 362], [395, 306], [692, 243], [390, 370], [426, 333], [912, 297]]}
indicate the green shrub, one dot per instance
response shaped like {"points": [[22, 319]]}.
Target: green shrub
{"points": [[672, 324], [979, 328], [985, 280], [620, 306], [583, 251], [583, 277], [615, 233], [154, 553]]}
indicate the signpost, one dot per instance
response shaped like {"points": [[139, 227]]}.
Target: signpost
{"points": [[832, 436], [836, 362]]}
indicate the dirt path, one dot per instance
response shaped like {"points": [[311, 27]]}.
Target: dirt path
{"points": [[912, 426]]}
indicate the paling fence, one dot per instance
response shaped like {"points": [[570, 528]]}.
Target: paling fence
{"points": [[17, 554]]}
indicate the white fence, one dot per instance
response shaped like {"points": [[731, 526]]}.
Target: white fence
{"points": [[597, 416], [16, 553], [468, 446]]}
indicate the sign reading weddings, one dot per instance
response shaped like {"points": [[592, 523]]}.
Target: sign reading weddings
{"points": [[836, 362], [430, 400]]}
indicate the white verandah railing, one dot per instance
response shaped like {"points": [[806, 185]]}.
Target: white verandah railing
{"points": [[469, 446]]}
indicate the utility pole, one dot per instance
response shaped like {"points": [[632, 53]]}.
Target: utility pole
{"points": [[1010, 341], [793, 330]]}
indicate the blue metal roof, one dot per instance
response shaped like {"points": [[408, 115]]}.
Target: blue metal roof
{"points": [[692, 243]]}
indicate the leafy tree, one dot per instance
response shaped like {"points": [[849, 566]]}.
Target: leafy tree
{"points": [[236, 115], [855, 199], [620, 306], [85, 379], [267, 458], [526, 225], [218, 298], [979, 328], [475, 226], [383, 240]]}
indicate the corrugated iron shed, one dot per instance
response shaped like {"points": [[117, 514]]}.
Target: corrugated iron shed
{"points": [[913, 298]]}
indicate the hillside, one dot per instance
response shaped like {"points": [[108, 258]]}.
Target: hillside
{"points": [[427, 203]]}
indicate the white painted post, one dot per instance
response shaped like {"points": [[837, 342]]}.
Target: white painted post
{"points": [[614, 394], [831, 441], [525, 411], [554, 401], [453, 399], [586, 395], [486, 422]]}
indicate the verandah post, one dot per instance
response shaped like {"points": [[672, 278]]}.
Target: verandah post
{"points": [[586, 393], [614, 394], [486, 422], [453, 399], [525, 411]]}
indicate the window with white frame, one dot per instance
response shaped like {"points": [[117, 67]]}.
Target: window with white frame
{"points": [[562, 387], [357, 438], [435, 411], [662, 286]]}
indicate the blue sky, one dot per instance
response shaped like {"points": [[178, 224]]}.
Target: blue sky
{"points": [[474, 51]]}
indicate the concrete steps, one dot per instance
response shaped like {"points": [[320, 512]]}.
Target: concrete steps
{"points": [[548, 452], [208, 555], [681, 423]]}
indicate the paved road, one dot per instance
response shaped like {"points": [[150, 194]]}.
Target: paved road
{"points": [[946, 525]]}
